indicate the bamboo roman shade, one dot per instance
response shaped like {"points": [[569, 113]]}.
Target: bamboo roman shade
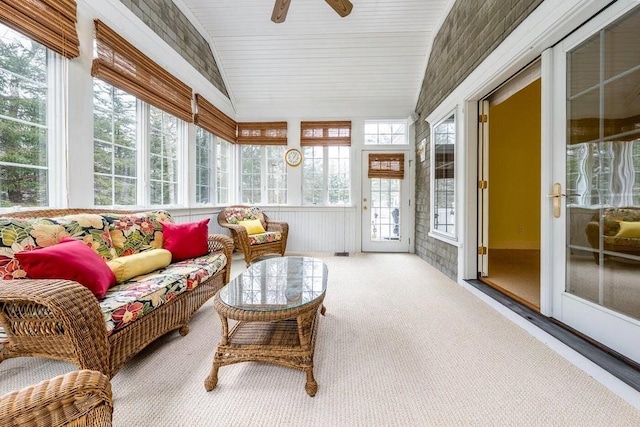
{"points": [[267, 133], [213, 120], [387, 165], [125, 67], [49, 22], [325, 133]]}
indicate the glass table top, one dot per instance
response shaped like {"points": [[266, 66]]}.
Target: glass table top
{"points": [[275, 284]]}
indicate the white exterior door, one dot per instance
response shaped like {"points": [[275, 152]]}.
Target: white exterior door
{"points": [[592, 133], [385, 210]]}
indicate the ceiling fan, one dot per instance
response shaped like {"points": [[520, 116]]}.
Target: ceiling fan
{"points": [[342, 8]]}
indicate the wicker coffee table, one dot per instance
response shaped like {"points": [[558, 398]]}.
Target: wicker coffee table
{"points": [[276, 303]]}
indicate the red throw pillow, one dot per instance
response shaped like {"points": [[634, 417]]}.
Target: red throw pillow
{"points": [[70, 260], [186, 241]]}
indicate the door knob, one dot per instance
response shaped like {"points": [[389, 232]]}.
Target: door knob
{"points": [[556, 195], [364, 208]]}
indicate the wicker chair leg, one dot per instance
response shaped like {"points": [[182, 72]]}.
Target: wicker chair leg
{"points": [[212, 380], [184, 330], [311, 387]]}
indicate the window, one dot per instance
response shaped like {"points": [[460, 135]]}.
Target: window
{"points": [[119, 150], [212, 167], [204, 166], [115, 129], [393, 132], [326, 171], [263, 174], [443, 177], [162, 104], [223, 171], [326, 178], [25, 135], [163, 157]]}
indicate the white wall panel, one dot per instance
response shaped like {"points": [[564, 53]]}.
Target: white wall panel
{"points": [[311, 229]]}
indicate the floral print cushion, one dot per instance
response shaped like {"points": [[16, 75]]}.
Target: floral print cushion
{"points": [[132, 233], [235, 215], [268, 237], [198, 269], [93, 229], [27, 234], [138, 297]]}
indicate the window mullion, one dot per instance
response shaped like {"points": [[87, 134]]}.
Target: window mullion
{"points": [[325, 175], [57, 161], [144, 175], [264, 174]]}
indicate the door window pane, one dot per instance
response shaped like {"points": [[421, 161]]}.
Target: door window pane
{"points": [[603, 169], [385, 209]]}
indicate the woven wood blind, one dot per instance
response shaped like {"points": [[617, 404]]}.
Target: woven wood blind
{"points": [[389, 165], [267, 133], [125, 67], [215, 121], [325, 133], [49, 22]]}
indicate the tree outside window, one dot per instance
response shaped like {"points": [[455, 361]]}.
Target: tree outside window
{"points": [[115, 129], [263, 174], [24, 132], [326, 175]]}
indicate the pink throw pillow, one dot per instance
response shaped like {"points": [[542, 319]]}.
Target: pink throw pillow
{"points": [[186, 241], [70, 260]]}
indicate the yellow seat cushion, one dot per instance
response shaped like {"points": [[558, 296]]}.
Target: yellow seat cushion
{"points": [[253, 226], [629, 229], [130, 266]]}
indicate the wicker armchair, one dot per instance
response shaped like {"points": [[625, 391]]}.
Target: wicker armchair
{"points": [[274, 241], [79, 398]]}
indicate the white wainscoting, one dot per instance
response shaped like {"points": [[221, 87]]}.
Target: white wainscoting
{"points": [[311, 229]]}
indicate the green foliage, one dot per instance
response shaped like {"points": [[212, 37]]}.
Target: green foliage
{"points": [[23, 70]]}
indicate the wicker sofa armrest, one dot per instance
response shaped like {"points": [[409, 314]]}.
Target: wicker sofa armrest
{"points": [[79, 398], [220, 242], [59, 319]]}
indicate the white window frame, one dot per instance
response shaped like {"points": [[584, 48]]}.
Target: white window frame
{"points": [[433, 232], [264, 189], [325, 177], [210, 142], [56, 127], [143, 146], [404, 122], [181, 143]]}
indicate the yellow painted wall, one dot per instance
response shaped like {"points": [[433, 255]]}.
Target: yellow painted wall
{"points": [[514, 171]]}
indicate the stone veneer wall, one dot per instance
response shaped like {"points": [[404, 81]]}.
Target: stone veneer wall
{"points": [[168, 21], [471, 31]]}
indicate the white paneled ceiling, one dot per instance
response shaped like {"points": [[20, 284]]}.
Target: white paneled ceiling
{"points": [[317, 64]]}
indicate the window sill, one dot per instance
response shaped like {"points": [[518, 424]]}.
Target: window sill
{"points": [[453, 241]]}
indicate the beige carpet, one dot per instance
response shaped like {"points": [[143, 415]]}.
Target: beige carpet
{"points": [[401, 345]]}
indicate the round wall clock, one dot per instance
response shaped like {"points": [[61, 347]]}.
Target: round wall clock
{"points": [[293, 157]]}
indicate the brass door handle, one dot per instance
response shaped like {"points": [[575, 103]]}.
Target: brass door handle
{"points": [[557, 194]]}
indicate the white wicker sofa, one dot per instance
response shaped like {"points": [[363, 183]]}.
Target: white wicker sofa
{"points": [[65, 320]]}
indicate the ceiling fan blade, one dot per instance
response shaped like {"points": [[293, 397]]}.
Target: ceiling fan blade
{"points": [[342, 7], [280, 10]]}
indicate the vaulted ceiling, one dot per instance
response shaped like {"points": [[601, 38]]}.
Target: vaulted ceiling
{"points": [[317, 64]]}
